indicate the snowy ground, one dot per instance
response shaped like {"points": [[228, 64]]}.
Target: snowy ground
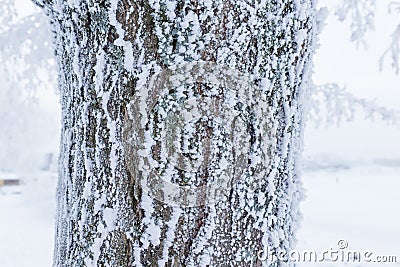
{"points": [[357, 203], [27, 221]]}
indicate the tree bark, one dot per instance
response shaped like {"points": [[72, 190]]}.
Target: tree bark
{"points": [[105, 50]]}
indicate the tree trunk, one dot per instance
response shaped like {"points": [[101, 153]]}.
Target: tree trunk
{"points": [[111, 212]]}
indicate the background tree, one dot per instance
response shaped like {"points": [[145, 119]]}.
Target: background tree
{"points": [[104, 50], [27, 67]]}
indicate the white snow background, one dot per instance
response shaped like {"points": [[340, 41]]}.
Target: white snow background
{"points": [[351, 172]]}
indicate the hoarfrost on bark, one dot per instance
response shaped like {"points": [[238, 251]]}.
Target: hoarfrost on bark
{"points": [[106, 53]]}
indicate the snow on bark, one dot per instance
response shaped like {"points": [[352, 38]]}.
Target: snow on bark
{"points": [[106, 52]]}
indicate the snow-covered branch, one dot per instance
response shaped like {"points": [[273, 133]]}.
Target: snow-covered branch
{"points": [[340, 105], [362, 13], [25, 49], [393, 51]]}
